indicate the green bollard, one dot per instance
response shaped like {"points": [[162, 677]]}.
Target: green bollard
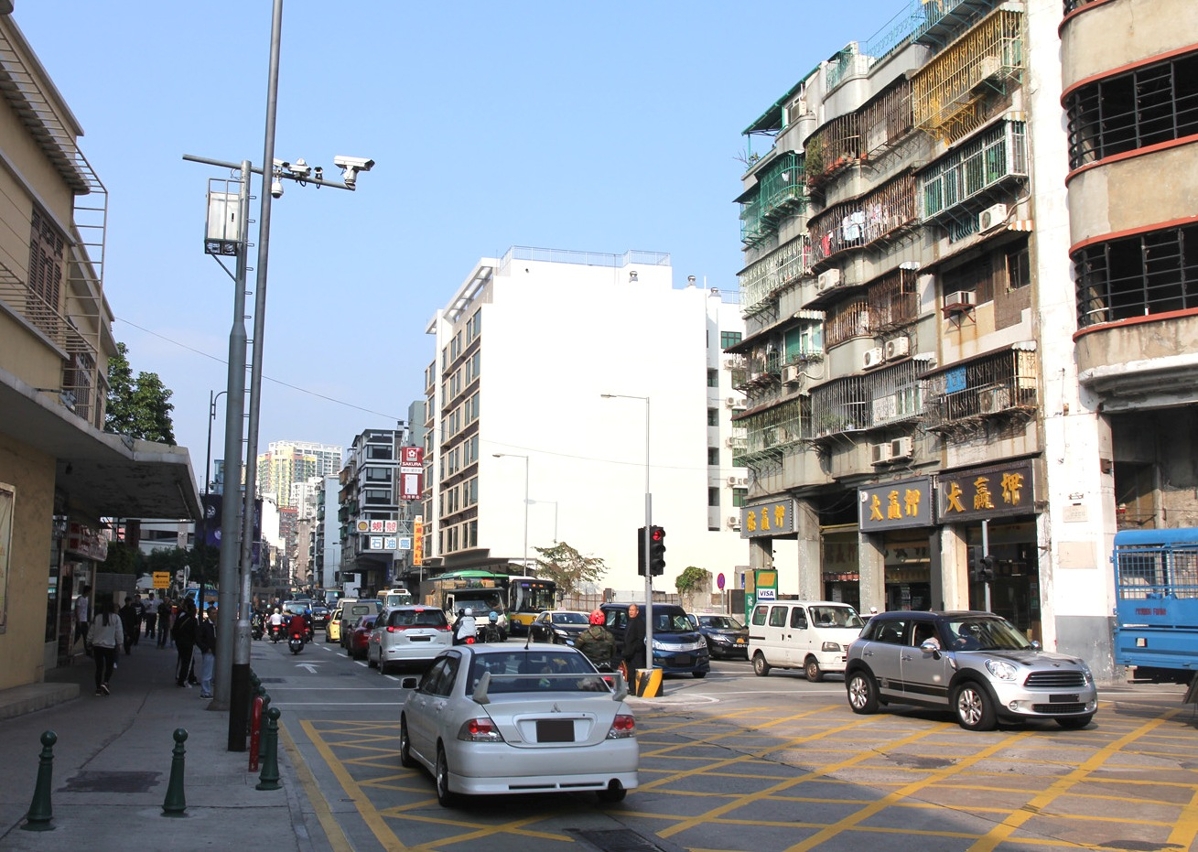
{"points": [[262, 721], [175, 802], [40, 813], [269, 778]]}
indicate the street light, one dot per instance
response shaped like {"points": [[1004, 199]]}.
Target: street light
{"points": [[232, 680], [524, 562], [648, 529]]}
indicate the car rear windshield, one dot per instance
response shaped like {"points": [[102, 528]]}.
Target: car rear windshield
{"points": [[416, 618], [536, 671]]}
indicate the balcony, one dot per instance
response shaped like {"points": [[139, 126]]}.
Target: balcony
{"points": [[963, 181], [887, 210], [1001, 384], [1142, 363], [760, 282], [780, 191]]}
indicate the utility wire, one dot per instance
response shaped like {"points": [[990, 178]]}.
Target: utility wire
{"points": [[268, 378]]}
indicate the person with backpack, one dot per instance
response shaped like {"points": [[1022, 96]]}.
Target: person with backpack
{"points": [[184, 633]]}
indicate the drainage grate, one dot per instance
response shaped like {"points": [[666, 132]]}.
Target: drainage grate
{"points": [[111, 782], [617, 840]]}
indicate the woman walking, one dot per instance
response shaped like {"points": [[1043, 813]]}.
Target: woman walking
{"points": [[105, 635]]}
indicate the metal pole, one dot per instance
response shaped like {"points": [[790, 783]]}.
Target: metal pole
{"points": [[240, 697], [648, 571], [985, 553], [230, 524], [524, 564]]}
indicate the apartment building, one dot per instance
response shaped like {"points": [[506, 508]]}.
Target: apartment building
{"points": [[62, 478], [925, 364], [288, 464], [555, 374], [373, 512]]}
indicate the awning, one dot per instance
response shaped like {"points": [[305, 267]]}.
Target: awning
{"points": [[103, 475]]}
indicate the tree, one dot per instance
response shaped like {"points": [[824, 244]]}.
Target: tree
{"points": [[691, 581], [138, 408], [567, 567]]}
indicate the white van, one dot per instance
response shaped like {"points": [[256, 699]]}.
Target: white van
{"points": [[809, 635]]}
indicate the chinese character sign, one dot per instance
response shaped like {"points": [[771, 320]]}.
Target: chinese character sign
{"points": [[989, 492], [895, 505], [411, 472], [766, 519]]}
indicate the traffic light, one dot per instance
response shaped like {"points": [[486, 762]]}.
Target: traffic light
{"points": [[641, 560], [657, 551], [987, 568], [981, 569]]}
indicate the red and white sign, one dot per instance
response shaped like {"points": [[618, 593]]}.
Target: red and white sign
{"points": [[376, 526]]}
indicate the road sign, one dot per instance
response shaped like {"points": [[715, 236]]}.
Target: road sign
{"points": [[719, 581], [162, 579]]}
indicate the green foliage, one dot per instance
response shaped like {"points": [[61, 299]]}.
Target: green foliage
{"points": [[122, 559], [141, 407], [567, 567], [692, 580]]}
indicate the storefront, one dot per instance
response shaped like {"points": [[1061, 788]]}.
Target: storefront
{"points": [[899, 514], [994, 510]]}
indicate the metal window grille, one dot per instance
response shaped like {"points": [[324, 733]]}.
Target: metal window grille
{"points": [[1137, 276]]}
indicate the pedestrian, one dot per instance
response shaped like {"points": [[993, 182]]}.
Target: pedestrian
{"points": [[206, 642], [104, 634], [184, 634], [164, 621], [139, 608], [634, 644], [596, 643], [130, 624], [81, 617], [151, 617]]}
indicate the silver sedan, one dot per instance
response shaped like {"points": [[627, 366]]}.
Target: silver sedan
{"points": [[499, 719]]}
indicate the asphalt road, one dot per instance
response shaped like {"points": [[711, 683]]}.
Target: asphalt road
{"points": [[738, 762]]}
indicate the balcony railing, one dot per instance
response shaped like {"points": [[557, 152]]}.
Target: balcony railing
{"points": [[991, 159], [776, 270], [1001, 383], [864, 220]]}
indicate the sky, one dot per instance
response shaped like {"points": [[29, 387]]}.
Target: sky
{"points": [[593, 126]]}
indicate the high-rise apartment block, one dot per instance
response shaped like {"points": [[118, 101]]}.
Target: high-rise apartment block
{"points": [[287, 464]]}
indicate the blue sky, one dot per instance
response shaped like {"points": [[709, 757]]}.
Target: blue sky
{"points": [[602, 126]]}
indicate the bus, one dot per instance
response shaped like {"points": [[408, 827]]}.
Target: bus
{"points": [[526, 597], [395, 597]]}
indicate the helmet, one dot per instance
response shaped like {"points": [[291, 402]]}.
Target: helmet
{"points": [[278, 610], [493, 617], [468, 611], [597, 616]]}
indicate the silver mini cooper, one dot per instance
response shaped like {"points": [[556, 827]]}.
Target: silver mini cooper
{"points": [[976, 664]]}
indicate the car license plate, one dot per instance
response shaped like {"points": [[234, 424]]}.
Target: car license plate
{"points": [[1062, 699], [555, 730], [683, 660]]}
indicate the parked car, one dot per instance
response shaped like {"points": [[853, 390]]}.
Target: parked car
{"points": [[976, 664], [359, 637], [726, 636], [558, 625], [408, 634], [499, 719], [332, 630], [351, 611], [810, 635], [678, 648]]}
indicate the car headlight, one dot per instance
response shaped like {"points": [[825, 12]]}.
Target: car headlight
{"points": [[1001, 669], [831, 647], [1089, 675]]}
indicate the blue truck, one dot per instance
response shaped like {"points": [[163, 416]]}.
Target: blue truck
{"points": [[1156, 608]]}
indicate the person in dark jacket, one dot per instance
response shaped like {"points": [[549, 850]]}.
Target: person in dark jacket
{"points": [[634, 644], [184, 634], [130, 623], [206, 642]]}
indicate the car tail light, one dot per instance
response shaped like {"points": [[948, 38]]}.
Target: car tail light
{"points": [[397, 628], [480, 731], [622, 727]]}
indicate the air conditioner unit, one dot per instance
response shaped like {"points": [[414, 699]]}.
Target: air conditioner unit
{"points": [[730, 363], [992, 217], [961, 298], [730, 442], [742, 482], [831, 278], [734, 522], [897, 348], [871, 358], [879, 453], [900, 448], [992, 400], [885, 408], [732, 480], [990, 66], [730, 402], [791, 374]]}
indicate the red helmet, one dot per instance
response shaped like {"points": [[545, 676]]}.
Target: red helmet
{"points": [[597, 617]]}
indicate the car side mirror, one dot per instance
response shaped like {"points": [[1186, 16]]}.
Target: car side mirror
{"points": [[409, 683], [930, 647], [1036, 645]]}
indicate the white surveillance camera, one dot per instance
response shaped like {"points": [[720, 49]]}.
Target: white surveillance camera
{"points": [[276, 188], [299, 168], [350, 166]]}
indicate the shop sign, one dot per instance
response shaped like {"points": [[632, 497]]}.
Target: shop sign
{"points": [[990, 492], [895, 505], [772, 518], [86, 542]]}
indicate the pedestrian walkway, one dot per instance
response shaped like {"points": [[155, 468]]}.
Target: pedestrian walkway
{"points": [[112, 766]]}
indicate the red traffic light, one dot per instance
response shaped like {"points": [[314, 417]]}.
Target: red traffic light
{"points": [[657, 534]]}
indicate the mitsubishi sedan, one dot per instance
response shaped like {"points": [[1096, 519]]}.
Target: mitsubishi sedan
{"points": [[502, 719]]}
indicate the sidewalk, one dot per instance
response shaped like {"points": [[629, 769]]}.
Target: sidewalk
{"points": [[112, 766]]}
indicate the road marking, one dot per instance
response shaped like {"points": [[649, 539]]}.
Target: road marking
{"points": [[320, 806], [311, 667]]}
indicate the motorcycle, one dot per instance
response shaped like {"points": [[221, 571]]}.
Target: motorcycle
{"points": [[491, 632], [276, 633], [295, 644], [257, 628], [466, 631]]}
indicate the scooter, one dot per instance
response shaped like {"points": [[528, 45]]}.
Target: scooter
{"points": [[466, 632], [276, 632], [295, 643], [256, 626]]}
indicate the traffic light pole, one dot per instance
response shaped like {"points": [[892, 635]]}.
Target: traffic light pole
{"points": [[985, 557]]}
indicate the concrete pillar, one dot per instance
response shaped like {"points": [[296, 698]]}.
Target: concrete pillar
{"points": [[871, 568], [810, 563], [954, 567]]}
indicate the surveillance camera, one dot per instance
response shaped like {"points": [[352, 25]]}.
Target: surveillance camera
{"points": [[276, 188], [350, 166], [299, 168]]}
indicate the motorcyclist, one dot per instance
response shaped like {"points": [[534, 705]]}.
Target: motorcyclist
{"points": [[596, 643], [296, 626], [466, 627], [276, 621]]}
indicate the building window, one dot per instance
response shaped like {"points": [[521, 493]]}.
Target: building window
{"points": [[713, 456], [42, 304], [740, 497], [1137, 276], [713, 417], [713, 378], [378, 474], [1146, 106], [713, 497], [728, 339], [378, 452]]}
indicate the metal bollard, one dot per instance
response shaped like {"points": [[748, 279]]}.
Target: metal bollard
{"points": [[175, 802], [269, 778], [255, 732], [40, 812], [265, 713]]}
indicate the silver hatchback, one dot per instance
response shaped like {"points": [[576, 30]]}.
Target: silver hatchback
{"points": [[976, 664], [407, 634]]}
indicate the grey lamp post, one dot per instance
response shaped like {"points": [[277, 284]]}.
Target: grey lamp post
{"points": [[648, 528], [524, 562]]}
